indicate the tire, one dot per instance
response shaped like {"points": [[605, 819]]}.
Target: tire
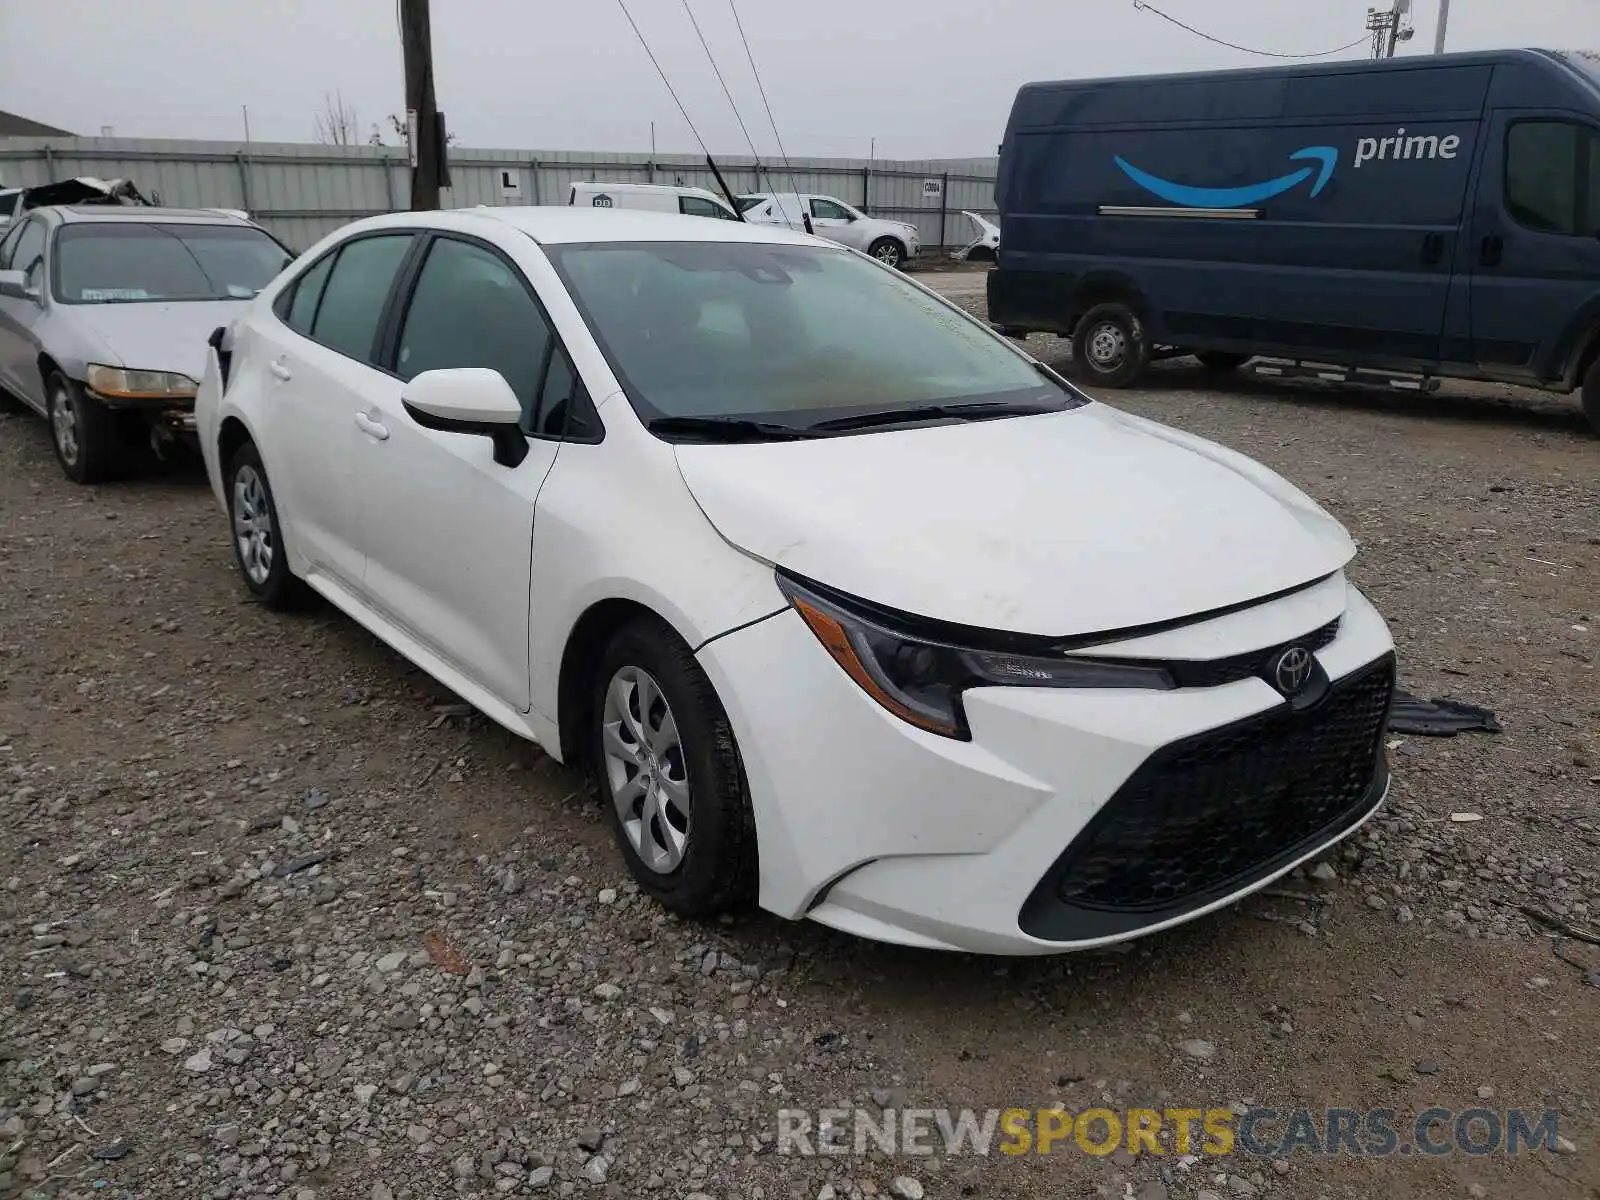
{"points": [[258, 549], [888, 251], [86, 435], [1591, 395], [699, 862], [1222, 361], [1109, 346]]}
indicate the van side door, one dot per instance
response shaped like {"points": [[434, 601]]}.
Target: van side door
{"points": [[1535, 248]]}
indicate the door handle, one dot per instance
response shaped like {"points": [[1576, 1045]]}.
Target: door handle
{"points": [[1489, 250], [375, 430], [1432, 248], [277, 368]]}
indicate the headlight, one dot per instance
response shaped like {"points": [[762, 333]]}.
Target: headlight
{"points": [[123, 384], [920, 676]]}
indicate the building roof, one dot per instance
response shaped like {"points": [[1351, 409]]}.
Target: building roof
{"points": [[12, 125]]}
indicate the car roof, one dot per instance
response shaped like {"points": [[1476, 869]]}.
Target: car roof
{"points": [[561, 224], [76, 213]]}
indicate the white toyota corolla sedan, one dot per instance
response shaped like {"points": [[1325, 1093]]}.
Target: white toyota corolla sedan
{"points": [[851, 606]]}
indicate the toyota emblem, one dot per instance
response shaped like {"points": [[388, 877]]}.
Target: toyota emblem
{"points": [[1292, 671]]}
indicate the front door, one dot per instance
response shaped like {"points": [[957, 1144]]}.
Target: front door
{"points": [[448, 531], [833, 221], [23, 249], [1536, 242]]}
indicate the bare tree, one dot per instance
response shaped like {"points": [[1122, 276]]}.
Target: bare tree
{"points": [[337, 123], [398, 124]]}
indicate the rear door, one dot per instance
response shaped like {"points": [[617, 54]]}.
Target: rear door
{"points": [[1536, 241], [321, 374]]}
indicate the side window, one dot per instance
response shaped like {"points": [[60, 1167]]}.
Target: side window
{"points": [[354, 295], [8, 244], [27, 252], [699, 206], [565, 409], [1551, 174], [827, 210], [471, 309], [302, 308]]}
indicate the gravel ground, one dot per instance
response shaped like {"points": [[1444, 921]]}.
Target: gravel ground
{"points": [[282, 918]]}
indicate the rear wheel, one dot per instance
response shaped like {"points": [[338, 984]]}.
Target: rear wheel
{"points": [[888, 251], [1222, 361], [669, 774], [257, 543], [86, 436], [1591, 395], [1109, 346]]}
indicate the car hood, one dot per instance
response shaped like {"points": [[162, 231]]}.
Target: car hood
{"points": [[1062, 524], [152, 336]]}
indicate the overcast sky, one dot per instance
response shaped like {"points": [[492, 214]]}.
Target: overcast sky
{"points": [[926, 78]]}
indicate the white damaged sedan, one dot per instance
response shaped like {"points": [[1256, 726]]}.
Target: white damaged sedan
{"points": [[851, 607]]}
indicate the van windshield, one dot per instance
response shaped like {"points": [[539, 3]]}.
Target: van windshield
{"points": [[785, 335]]}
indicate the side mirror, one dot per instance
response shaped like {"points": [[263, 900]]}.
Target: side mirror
{"points": [[472, 400], [15, 285]]}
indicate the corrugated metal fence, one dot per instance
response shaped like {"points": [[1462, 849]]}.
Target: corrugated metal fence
{"points": [[302, 192]]}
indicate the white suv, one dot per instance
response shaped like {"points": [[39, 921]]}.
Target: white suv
{"points": [[890, 242]]}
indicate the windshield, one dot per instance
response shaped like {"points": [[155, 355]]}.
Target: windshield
{"points": [[105, 262], [746, 203], [793, 334]]}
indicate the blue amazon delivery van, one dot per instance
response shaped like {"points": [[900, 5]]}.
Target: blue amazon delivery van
{"points": [[1400, 220]]}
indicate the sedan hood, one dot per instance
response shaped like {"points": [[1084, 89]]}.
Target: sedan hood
{"points": [[1062, 524], [152, 336]]}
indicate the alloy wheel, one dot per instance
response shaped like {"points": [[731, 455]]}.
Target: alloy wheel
{"points": [[252, 524], [64, 425], [644, 769]]}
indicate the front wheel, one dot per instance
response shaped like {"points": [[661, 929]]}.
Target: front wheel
{"points": [[1109, 345], [669, 774], [1591, 395], [85, 433], [888, 251]]}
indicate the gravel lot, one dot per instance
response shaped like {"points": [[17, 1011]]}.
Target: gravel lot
{"points": [[282, 918]]}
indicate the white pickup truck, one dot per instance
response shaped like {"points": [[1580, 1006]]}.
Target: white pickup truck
{"points": [[890, 242]]}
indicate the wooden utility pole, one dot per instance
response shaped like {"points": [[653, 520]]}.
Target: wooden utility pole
{"points": [[423, 128]]}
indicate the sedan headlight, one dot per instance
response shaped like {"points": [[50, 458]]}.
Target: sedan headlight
{"points": [[122, 384], [919, 675]]}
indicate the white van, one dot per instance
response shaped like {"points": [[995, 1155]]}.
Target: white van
{"points": [[653, 197]]}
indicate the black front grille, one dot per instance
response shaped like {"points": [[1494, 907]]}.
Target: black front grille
{"points": [[1205, 816], [1256, 664]]}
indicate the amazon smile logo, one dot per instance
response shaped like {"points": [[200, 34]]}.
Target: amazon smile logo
{"points": [[1238, 197]]}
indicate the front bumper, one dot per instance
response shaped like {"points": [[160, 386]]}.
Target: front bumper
{"points": [[1009, 843]]}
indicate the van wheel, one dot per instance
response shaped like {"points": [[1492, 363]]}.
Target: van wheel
{"points": [[1222, 361], [1109, 345], [1591, 395]]}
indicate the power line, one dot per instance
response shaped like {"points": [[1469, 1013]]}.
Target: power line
{"points": [[717, 71], [765, 103], [670, 90], [1142, 6]]}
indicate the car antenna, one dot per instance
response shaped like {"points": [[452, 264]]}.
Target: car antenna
{"points": [[723, 184]]}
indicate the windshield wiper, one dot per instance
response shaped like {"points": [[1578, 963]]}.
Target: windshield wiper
{"points": [[727, 429], [934, 412]]}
